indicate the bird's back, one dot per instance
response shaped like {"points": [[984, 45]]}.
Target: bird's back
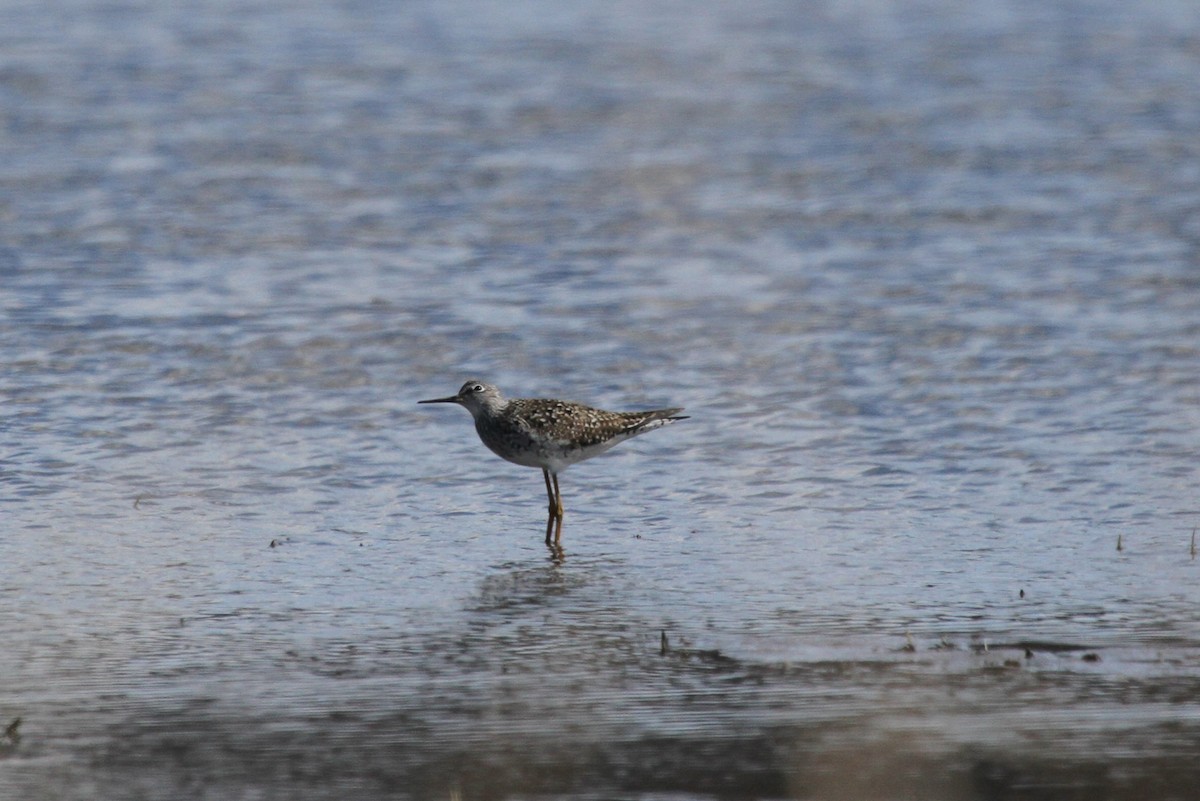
{"points": [[542, 432]]}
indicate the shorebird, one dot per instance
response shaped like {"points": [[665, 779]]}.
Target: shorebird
{"points": [[550, 434]]}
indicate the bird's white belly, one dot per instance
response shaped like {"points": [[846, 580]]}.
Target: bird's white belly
{"points": [[551, 455]]}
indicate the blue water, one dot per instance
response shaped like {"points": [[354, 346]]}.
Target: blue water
{"points": [[925, 275]]}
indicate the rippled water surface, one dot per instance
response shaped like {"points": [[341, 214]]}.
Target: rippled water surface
{"points": [[926, 276]]}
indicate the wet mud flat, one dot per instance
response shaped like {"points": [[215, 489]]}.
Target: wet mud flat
{"points": [[943, 720]]}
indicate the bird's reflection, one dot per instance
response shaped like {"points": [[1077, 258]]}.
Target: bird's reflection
{"points": [[515, 587]]}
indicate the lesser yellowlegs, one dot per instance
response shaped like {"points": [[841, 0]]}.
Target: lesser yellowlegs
{"points": [[550, 434]]}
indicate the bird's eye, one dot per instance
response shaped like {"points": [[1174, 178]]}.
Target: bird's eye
{"points": [[477, 388]]}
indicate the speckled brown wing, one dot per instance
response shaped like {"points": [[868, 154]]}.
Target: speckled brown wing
{"points": [[584, 426]]}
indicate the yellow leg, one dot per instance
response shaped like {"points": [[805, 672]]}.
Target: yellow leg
{"points": [[558, 509], [549, 492], [555, 518]]}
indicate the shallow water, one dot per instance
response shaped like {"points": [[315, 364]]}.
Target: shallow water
{"points": [[925, 276]]}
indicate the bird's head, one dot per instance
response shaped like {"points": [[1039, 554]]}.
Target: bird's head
{"points": [[476, 396]]}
